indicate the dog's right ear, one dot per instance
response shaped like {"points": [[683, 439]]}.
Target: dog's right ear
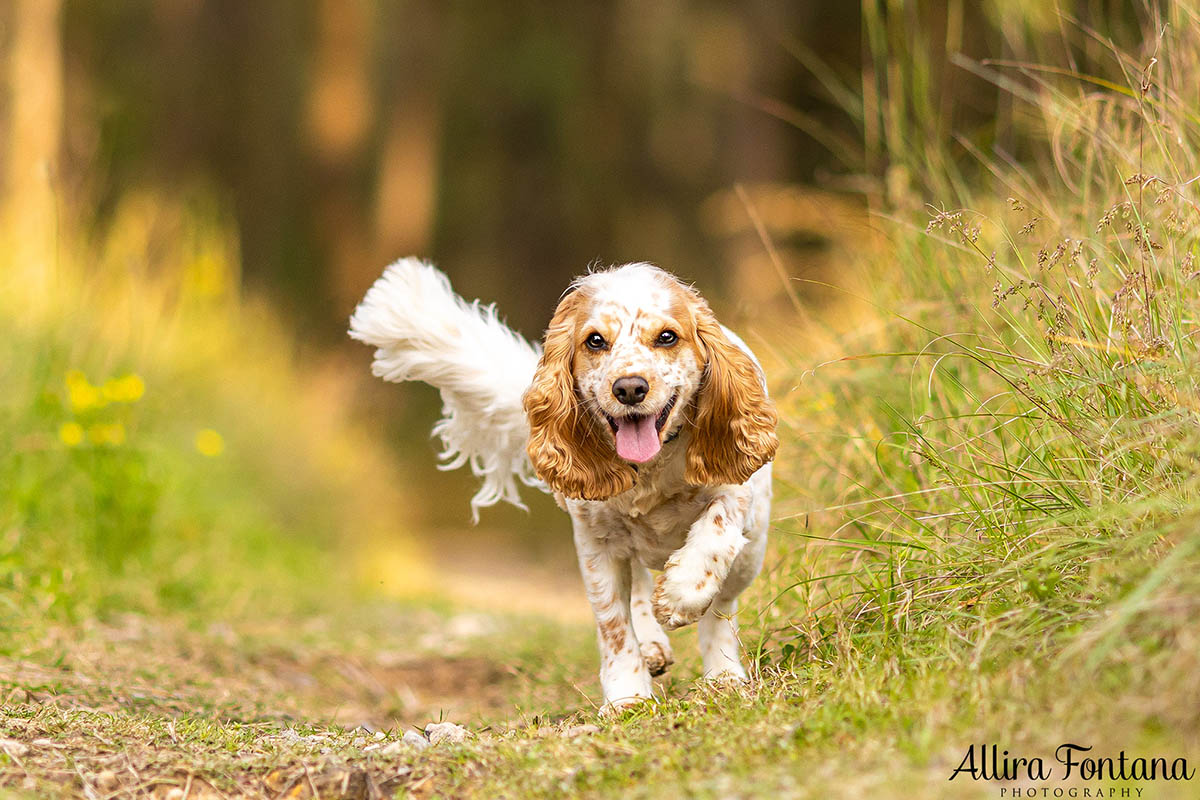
{"points": [[568, 449]]}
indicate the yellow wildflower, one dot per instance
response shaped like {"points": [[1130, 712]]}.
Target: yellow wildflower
{"points": [[81, 393], [70, 434], [209, 443], [125, 389]]}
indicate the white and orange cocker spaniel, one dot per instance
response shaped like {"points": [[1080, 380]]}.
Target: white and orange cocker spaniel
{"points": [[647, 419]]}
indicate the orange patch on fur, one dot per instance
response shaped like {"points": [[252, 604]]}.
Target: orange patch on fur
{"points": [[613, 632]]}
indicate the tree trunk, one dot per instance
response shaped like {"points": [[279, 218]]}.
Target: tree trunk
{"points": [[34, 131]]}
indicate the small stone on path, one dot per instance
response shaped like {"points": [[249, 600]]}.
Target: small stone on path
{"points": [[439, 732], [580, 730], [13, 748], [414, 740]]}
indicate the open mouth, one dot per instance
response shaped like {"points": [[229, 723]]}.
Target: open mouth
{"points": [[637, 435]]}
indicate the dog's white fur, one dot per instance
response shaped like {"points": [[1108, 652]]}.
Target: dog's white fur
{"points": [[698, 509]]}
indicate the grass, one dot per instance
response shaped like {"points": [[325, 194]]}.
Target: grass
{"points": [[165, 449], [986, 526]]}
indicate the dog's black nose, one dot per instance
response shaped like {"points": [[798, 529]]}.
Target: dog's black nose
{"points": [[630, 391]]}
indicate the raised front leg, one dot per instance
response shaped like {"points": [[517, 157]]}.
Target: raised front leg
{"points": [[695, 573], [607, 580]]}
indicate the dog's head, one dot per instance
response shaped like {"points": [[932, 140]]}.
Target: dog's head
{"points": [[631, 357]]}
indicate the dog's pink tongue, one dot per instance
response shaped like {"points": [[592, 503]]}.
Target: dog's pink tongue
{"points": [[637, 440]]}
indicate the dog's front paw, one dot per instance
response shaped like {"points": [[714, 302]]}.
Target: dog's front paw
{"points": [[680, 599], [657, 656]]}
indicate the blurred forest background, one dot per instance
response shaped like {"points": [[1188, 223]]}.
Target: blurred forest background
{"points": [[288, 151], [962, 237], [512, 144]]}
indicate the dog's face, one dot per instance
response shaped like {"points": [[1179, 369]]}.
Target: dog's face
{"points": [[637, 361], [630, 357]]}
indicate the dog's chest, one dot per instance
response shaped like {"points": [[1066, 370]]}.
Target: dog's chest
{"points": [[657, 534], [654, 517]]}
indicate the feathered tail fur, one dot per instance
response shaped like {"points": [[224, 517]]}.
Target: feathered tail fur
{"points": [[426, 332]]}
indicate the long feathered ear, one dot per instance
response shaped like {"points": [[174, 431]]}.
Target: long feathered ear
{"points": [[568, 450], [734, 429]]}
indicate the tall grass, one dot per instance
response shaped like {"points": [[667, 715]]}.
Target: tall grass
{"points": [[999, 467]]}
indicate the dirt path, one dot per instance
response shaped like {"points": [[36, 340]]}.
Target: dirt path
{"points": [[145, 707]]}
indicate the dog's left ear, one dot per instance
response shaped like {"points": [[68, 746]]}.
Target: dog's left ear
{"points": [[733, 434]]}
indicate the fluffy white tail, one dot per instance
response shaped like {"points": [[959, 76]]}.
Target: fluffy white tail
{"points": [[426, 332]]}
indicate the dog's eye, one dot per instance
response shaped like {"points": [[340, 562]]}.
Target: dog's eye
{"points": [[595, 341], [666, 338]]}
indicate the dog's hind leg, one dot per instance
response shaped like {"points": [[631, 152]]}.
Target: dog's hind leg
{"points": [[720, 648]]}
